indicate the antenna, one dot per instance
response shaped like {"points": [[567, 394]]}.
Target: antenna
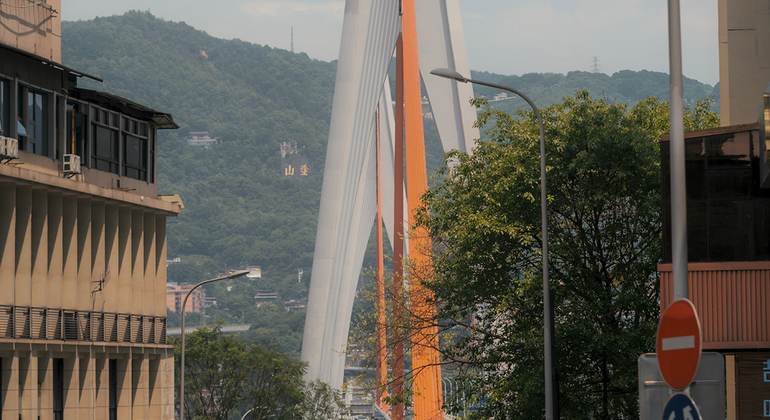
{"points": [[292, 39], [595, 66]]}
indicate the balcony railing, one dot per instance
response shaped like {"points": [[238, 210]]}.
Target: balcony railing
{"points": [[23, 322]]}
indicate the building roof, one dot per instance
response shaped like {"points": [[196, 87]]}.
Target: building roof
{"points": [[128, 107], [49, 62]]}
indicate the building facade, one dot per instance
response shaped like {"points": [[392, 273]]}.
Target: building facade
{"points": [[175, 294], [82, 238]]}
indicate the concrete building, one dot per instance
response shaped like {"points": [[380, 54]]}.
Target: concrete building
{"points": [[175, 297], [82, 238]]}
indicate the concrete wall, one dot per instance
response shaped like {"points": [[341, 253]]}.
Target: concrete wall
{"points": [[33, 26], [744, 58]]}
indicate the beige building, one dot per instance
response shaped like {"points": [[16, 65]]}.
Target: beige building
{"points": [[82, 238]]}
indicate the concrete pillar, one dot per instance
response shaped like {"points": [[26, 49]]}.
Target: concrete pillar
{"points": [[160, 266], [84, 288], [22, 289], [98, 268], [71, 385], [7, 241], [124, 254], [39, 282], [166, 371], [101, 387], [9, 386], [28, 391], [111, 257], [87, 385], [124, 388], [140, 386], [55, 253], [137, 256], [149, 266], [155, 389], [45, 384], [744, 58], [69, 282]]}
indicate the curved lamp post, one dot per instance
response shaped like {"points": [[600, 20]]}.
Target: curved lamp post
{"points": [[181, 363], [551, 405]]}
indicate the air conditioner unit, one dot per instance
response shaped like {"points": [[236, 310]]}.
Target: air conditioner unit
{"points": [[9, 148], [71, 164]]}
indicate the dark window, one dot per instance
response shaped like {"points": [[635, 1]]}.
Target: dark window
{"points": [[5, 108], [113, 378], [727, 212], [135, 157], [58, 389], [33, 121], [105, 149]]}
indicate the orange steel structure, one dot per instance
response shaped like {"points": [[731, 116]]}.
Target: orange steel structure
{"points": [[397, 412], [381, 372], [426, 371]]}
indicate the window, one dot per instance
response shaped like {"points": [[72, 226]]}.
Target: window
{"points": [[33, 121], [5, 108], [113, 379], [58, 389], [121, 144]]}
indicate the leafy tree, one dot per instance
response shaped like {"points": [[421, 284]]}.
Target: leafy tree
{"points": [[604, 245], [274, 388], [216, 369], [223, 373], [321, 402]]}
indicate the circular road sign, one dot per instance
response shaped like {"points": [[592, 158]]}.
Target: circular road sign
{"points": [[681, 407], [679, 344]]}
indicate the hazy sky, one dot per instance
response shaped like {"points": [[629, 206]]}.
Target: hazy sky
{"points": [[502, 36]]}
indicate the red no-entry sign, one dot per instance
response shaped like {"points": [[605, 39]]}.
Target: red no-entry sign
{"points": [[679, 344]]}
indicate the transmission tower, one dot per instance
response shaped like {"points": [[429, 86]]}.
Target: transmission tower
{"points": [[292, 39], [595, 65]]}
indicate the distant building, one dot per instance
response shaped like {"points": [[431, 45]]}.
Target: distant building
{"points": [[173, 261], [175, 297], [263, 297], [294, 305], [202, 139]]}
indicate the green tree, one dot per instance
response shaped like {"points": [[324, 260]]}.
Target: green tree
{"points": [[216, 368], [321, 401], [605, 243], [274, 388]]}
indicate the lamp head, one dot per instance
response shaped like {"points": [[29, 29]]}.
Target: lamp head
{"points": [[449, 74], [238, 274]]}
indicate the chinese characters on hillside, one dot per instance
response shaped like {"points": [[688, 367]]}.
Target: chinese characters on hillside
{"points": [[296, 166]]}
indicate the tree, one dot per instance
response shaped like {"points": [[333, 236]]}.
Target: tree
{"points": [[604, 240], [216, 369], [321, 402], [274, 387]]}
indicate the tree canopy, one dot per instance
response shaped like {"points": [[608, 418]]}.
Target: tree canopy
{"points": [[604, 244]]}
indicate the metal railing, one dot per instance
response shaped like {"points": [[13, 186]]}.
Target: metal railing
{"points": [[24, 322]]}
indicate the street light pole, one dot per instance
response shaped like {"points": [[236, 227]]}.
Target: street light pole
{"points": [[551, 402], [181, 362]]}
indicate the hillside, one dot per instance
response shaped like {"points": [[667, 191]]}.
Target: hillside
{"points": [[240, 208]]}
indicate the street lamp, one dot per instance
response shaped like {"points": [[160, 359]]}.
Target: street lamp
{"points": [[551, 405], [181, 363]]}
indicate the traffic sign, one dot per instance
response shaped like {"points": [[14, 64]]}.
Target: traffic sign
{"points": [[681, 407], [679, 344]]}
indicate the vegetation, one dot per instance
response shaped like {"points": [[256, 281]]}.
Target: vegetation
{"points": [[604, 245], [225, 376]]}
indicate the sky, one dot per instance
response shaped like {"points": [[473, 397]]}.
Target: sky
{"points": [[502, 36]]}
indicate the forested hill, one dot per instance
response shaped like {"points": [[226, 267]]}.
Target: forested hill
{"points": [[240, 209]]}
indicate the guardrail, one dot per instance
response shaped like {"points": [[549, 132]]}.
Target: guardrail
{"points": [[24, 322]]}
